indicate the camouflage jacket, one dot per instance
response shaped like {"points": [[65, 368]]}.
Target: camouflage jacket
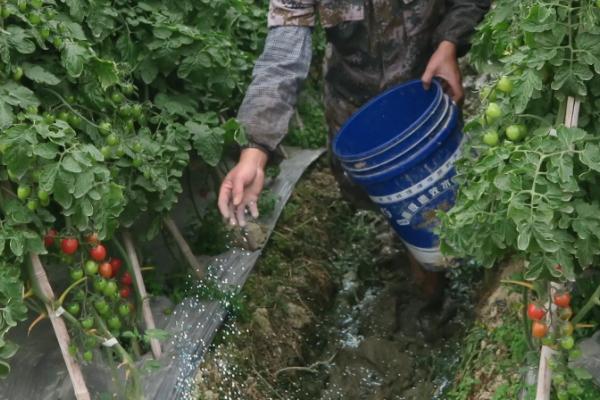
{"points": [[372, 45]]}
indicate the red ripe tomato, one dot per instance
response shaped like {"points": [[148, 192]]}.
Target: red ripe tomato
{"points": [[539, 329], [98, 253], [126, 279], [535, 312], [106, 270], [562, 300], [125, 292], [69, 245], [50, 236], [116, 265]]}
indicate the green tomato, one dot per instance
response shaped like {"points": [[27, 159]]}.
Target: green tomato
{"points": [[76, 274], [513, 133], [75, 120], [128, 88], [73, 309], [72, 350], [44, 33], [114, 323], [43, 195], [17, 73], [37, 3], [23, 192], [57, 42], [90, 267], [491, 138], [124, 310], [105, 128], [129, 126], [567, 342], [32, 205], [125, 111], [112, 140], [110, 289], [64, 115], [562, 395], [87, 323], [137, 147], [505, 85], [100, 304], [34, 19], [88, 356], [106, 151], [45, 203], [22, 4], [99, 284], [120, 152], [136, 111], [117, 98], [5, 12], [137, 162], [49, 118], [493, 112]]}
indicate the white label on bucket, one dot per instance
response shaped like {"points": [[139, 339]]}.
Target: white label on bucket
{"points": [[423, 184], [431, 259]]}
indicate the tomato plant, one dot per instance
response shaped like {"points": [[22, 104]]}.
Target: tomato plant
{"points": [[534, 197], [102, 106]]}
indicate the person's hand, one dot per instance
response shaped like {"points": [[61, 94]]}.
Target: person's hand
{"points": [[444, 64], [242, 186]]}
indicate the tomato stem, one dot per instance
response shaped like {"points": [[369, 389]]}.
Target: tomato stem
{"points": [[64, 294], [518, 283], [525, 320]]}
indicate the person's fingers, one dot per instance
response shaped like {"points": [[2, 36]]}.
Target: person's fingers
{"points": [[253, 207], [232, 219], [238, 190], [427, 77], [457, 91], [240, 214], [225, 198]]}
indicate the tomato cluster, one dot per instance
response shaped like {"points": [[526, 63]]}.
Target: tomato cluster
{"points": [[95, 297], [493, 114]]}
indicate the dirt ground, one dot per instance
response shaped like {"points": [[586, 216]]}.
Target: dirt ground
{"points": [[332, 312]]}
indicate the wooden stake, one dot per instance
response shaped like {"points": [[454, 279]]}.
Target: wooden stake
{"points": [[183, 245], [138, 282], [544, 384], [60, 330]]}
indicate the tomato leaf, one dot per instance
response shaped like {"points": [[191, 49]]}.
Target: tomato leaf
{"points": [[38, 74], [74, 57]]}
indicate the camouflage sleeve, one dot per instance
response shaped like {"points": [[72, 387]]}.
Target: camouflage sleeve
{"points": [[278, 74], [462, 16], [292, 12]]}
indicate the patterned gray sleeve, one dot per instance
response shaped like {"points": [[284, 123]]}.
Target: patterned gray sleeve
{"points": [[278, 74]]}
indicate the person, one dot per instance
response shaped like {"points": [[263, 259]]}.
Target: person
{"points": [[372, 45]]}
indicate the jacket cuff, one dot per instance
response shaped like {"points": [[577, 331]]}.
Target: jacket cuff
{"points": [[274, 156]]}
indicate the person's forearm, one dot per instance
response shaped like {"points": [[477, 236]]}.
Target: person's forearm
{"points": [[271, 98], [459, 22]]}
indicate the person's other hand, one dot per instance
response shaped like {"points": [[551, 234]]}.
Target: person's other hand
{"points": [[242, 187], [444, 64]]}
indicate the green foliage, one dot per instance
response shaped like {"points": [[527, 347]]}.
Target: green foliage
{"points": [[101, 104], [12, 311], [534, 197]]}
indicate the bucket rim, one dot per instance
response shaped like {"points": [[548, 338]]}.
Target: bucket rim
{"points": [[442, 122], [435, 85], [415, 158]]}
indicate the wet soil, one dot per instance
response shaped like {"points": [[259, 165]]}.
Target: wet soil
{"points": [[333, 312]]}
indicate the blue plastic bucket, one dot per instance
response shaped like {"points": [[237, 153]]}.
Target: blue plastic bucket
{"points": [[414, 178]]}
